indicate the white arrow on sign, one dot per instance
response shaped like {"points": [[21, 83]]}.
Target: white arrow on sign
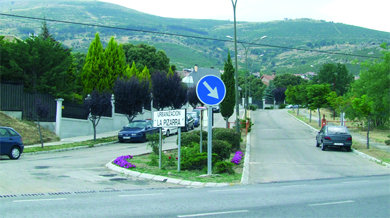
{"points": [[213, 92]]}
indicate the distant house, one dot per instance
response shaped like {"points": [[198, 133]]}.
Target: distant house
{"points": [[266, 79], [197, 73]]}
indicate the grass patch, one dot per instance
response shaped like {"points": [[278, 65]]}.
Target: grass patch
{"points": [[28, 130], [89, 143], [169, 168]]}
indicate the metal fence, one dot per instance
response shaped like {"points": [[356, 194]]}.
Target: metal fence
{"points": [[14, 98]]}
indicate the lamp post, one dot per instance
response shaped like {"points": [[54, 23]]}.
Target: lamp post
{"points": [[234, 3]]}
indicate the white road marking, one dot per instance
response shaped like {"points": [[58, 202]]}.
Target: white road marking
{"points": [[214, 213], [358, 181], [34, 200], [331, 203], [228, 190], [140, 195], [291, 186]]}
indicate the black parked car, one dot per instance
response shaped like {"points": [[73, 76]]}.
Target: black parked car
{"points": [[136, 131], [334, 136], [11, 143], [190, 123]]}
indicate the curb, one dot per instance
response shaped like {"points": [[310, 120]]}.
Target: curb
{"points": [[361, 154], [158, 178], [245, 171], [70, 149]]}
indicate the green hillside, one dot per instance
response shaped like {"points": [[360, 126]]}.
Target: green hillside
{"points": [[185, 52]]}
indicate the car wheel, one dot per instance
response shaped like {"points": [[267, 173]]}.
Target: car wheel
{"points": [[323, 147], [15, 153], [348, 148], [317, 145], [168, 133]]}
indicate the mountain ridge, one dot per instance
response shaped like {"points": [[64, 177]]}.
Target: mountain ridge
{"points": [[185, 51]]}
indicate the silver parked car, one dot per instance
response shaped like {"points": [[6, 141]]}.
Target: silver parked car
{"points": [[334, 136]]}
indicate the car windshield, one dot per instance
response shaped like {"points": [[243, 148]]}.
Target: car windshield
{"points": [[136, 125], [337, 130], [193, 114]]}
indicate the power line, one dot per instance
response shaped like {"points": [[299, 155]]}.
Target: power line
{"points": [[185, 36]]}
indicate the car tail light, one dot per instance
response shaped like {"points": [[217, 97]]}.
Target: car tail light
{"points": [[327, 138], [349, 139]]}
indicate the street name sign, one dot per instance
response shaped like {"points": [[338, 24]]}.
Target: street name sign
{"points": [[210, 90], [171, 118]]}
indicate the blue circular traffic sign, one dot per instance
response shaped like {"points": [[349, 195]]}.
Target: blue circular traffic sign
{"points": [[211, 90]]}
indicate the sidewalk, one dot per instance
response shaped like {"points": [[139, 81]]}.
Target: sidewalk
{"points": [[76, 139], [356, 136]]}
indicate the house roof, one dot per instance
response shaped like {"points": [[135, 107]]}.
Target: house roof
{"points": [[267, 78], [193, 78]]}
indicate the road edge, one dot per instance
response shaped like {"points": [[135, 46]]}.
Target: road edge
{"points": [[245, 171], [366, 156]]}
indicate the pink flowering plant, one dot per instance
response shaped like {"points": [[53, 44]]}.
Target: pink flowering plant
{"points": [[237, 157], [122, 161]]}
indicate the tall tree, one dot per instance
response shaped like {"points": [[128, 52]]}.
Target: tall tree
{"points": [[337, 76], [364, 106], [374, 82], [131, 96], [297, 95], [95, 70], [116, 62], [316, 95], [97, 105], [192, 97], [228, 103], [45, 34], [268, 93], [286, 80], [146, 55]]}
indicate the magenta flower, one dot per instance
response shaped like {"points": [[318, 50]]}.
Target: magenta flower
{"points": [[122, 161], [237, 157]]}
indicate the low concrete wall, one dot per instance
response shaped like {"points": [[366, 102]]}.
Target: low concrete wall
{"points": [[75, 127], [15, 114]]}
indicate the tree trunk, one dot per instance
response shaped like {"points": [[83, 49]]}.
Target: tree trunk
{"points": [[40, 133], [319, 117], [298, 111], [227, 123], [368, 134], [310, 116], [94, 130]]}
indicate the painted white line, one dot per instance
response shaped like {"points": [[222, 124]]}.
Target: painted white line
{"points": [[228, 190], [332, 203], [35, 200], [292, 186], [214, 213], [359, 181], [140, 195]]}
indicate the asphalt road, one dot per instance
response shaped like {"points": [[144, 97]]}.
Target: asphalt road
{"points": [[77, 170], [283, 149], [342, 197]]}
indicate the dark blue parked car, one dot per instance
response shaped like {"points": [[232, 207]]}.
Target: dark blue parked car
{"points": [[11, 143], [137, 130], [196, 118]]}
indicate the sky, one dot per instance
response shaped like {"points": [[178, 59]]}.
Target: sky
{"points": [[372, 14]]}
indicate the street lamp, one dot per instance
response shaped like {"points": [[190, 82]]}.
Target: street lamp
{"points": [[234, 3]]}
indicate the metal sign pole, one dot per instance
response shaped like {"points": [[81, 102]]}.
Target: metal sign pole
{"points": [[160, 149], [179, 150], [201, 131], [209, 140]]}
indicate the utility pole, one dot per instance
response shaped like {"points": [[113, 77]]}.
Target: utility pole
{"points": [[234, 3]]}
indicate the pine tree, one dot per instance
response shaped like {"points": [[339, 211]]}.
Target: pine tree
{"points": [[228, 103], [95, 73], [131, 71], [116, 62]]}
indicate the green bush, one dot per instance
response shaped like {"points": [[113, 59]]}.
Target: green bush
{"points": [[282, 106], [219, 147], [387, 142], [153, 142], [193, 160], [204, 134], [228, 135], [253, 107], [224, 167], [188, 139]]}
